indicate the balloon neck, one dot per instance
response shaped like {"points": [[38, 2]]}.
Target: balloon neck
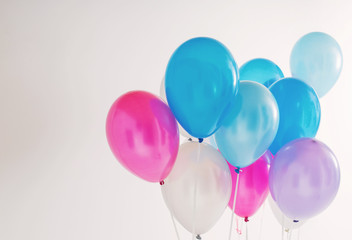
{"points": [[237, 170], [190, 139], [200, 141], [198, 237], [162, 182], [246, 219], [295, 221]]}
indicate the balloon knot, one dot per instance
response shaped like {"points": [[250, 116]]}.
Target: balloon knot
{"points": [[295, 221], [237, 170], [190, 139], [246, 219], [200, 141], [162, 182], [198, 237]]}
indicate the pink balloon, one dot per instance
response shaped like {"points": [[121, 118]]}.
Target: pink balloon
{"points": [[143, 135], [253, 186]]}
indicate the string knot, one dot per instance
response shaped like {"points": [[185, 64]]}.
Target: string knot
{"points": [[162, 182], [198, 237], [295, 221], [246, 219], [200, 141], [237, 170]]}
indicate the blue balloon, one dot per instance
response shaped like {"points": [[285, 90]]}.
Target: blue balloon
{"points": [[200, 80], [299, 109], [261, 70], [250, 126], [317, 60]]}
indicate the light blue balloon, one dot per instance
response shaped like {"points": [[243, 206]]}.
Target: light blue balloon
{"points": [[317, 60], [201, 79], [299, 109], [261, 70], [250, 126]]}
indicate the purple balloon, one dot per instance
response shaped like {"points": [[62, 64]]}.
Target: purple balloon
{"points": [[304, 178]]}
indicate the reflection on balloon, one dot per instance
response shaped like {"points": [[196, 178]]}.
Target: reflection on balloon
{"points": [[316, 59], [304, 178], [253, 186], [261, 70], [299, 109], [200, 81], [143, 135], [198, 188], [250, 126]]}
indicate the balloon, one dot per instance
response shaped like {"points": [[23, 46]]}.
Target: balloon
{"points": [[317, 60], [250, 126], [143, 135], [285, 222], [201, 78], [253, 186], [261, 70], [304, 178], [299, 111], [198, 188], [163, 97]]}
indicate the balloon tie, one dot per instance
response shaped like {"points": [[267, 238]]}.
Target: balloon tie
{"points": [[198, 237], [295, 221], [162, 182], [200, 140], [190, 139], [246, 219]]}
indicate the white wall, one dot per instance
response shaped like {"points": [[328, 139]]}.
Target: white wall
{"points": [[62, 64]]}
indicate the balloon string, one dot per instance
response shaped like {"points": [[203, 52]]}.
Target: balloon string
{"points": [[171, 212], [234, 201], [261, 221], [246, 230], [299, 230], [282, 233], [195, 197]]}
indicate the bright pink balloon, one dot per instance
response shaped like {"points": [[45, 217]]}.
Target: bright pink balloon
{"points": [[253, 186], [143, 135]]}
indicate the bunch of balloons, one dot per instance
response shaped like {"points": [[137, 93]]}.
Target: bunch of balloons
{"points": [[254, 127]]}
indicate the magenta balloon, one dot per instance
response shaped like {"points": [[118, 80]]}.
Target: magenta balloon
{"points": [[143, 135], [253, 186], [304, 178]]}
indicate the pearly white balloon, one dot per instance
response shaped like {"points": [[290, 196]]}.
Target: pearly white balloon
{"points": [[198, 188]]}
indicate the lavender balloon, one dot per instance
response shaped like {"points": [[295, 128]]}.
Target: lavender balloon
{"points": [[304, 178]]}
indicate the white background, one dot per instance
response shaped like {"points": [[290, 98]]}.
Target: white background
{"points": [[63, 63]]}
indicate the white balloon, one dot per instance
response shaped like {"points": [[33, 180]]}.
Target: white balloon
{"points": [[163, 97], [198, 188], [285, 221]]}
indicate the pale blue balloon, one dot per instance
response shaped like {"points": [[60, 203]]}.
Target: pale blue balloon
{"points": [[317, 60], [261, 70], [251, 125]]}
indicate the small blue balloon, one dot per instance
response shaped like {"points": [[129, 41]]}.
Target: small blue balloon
{"points": [[299, 109], [261, 70], [317, 60], [200, 80], [250, 126]]}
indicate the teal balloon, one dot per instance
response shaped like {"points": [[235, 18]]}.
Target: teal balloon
{"points": [[317, 60], [299, 109], [261, 70], [201, 79], [250, 126]]}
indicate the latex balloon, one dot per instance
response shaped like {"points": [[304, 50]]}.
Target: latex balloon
{"points": [[163, 97], [299, 109], [316, 59], [198, 188], [261, 70], [200, 81], [143, 135], [253, 186], [250, 126], [285, 222], [304, 178]]}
